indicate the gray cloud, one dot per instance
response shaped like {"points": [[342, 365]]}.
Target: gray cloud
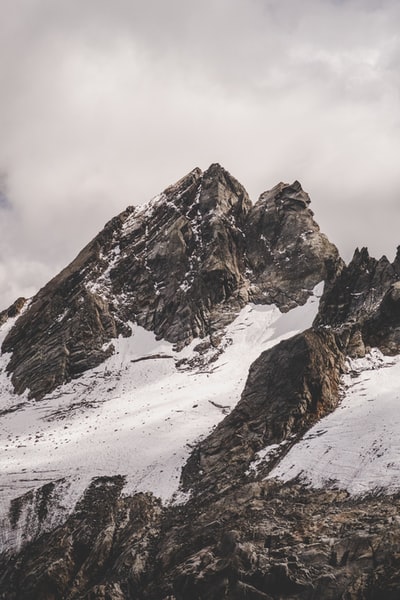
{"points": [[106, 102]]}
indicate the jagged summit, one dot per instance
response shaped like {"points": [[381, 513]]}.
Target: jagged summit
{"points": [[285, 247], [290, 196], [363, 303], [212, 190], [182, 266]]}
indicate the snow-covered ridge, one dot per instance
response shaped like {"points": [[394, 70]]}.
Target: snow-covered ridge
{"points": [[357, 447], [136, 415]]}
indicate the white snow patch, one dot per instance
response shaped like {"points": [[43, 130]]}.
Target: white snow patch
{"points": [[357, 447], [145, 211], [102, 284], [62, 316], [261, 456], [265, 455], [135, 415]]}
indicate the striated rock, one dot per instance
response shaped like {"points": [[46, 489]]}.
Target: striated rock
{"points": [[382, 329], [268, 540], [289, 388], [356, 292], [181, 266], [105, 530]]}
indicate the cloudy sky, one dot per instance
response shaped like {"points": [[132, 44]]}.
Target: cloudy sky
{"points": [[106, 102]]}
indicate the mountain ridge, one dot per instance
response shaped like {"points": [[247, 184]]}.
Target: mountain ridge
{"points": [[183, 266], [253, 372]]}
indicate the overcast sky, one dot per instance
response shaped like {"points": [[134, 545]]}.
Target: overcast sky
{"points": [[104, 103]]}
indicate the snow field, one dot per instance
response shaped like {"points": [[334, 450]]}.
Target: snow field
{"points": [[133, 415], [357, 447]]}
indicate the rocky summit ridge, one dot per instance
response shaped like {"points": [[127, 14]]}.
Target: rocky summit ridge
{"points": [[182, 266], [206, 271]]}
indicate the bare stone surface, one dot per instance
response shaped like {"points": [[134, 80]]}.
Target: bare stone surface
{"points": [[12, 311], [262, 540], [362, 304], [285, 248], [288, 389], [182, 266]]}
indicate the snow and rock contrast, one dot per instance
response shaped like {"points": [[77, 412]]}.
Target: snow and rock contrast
{"points": [[182, 266], [183, 418], [357, 447], [139, 414]]}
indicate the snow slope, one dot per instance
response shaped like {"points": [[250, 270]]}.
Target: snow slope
{"points": [[357, 447], [137, 415]]}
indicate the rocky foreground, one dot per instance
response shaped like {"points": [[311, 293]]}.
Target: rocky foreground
{"points": [[255, 540]]}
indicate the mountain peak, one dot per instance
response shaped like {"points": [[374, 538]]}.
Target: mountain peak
{"points": [[184, 183], [182, 265], [285, 195]]}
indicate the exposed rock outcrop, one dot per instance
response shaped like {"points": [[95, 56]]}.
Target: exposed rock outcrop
{"points": [[261, 540], [289, 388], [361, 303], [285, 248], [182, 266], [106, 532], [12, 311], [265, 540]]}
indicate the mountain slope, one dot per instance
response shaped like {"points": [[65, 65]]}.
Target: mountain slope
{"points": [[136, 415], [185, 413]]}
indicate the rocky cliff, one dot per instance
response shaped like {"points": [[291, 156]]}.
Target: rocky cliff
{"points": [[182, 266], [259, 540], [187, 266], [362, 302]]}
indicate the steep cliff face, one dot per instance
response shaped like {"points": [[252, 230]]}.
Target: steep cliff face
{"points": [[286, 251], [356, 292], [362, 303], [181, 266]]}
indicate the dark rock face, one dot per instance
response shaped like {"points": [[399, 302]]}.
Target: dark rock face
{"points": [[355, 294], [285, 248], [259, 540], [289, 388], [361, 303], [270, 541], [182, 267], [105, 532]]}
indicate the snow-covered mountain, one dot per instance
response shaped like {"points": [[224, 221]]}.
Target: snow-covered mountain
{"points": [[135, 415], [182, 418]]}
